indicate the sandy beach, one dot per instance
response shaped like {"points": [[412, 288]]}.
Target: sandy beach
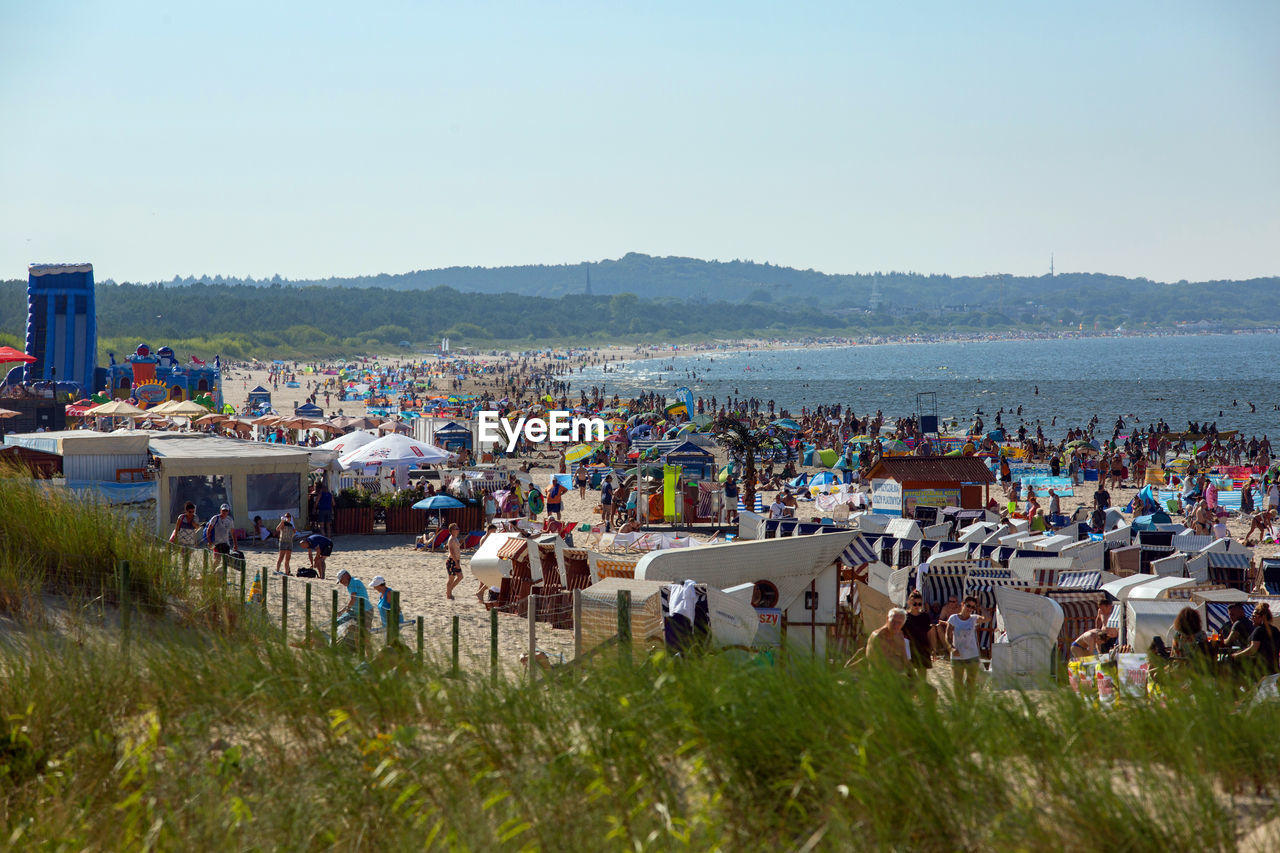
{"points": [[420, 577]]}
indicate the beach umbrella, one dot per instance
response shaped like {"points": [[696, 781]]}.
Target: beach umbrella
{"points": [[396, 427], [395, 449], [578, 452], [9, 355], [439, 502], [211, 418], [185, 409], [789, 424], [116, 409], [347, 443], [896, 445]]}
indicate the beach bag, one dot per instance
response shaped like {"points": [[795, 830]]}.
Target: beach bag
{"points": [[206, 534], [307, 573]]}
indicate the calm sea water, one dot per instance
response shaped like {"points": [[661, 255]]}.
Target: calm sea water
{"points": [[1186, 378]]}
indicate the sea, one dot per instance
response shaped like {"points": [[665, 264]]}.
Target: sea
{"points": [[1059, 383]]}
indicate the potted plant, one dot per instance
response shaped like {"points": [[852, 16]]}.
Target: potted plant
{"points": [[400, 515], [353, 512]]}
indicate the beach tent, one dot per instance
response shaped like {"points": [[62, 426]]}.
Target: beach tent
{"points": [[255, 478], [309, 410]]}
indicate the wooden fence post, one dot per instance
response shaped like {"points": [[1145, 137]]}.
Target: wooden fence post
{"points": [[533, 638], [284, 605], [421, 624], [389, 613], [360, 625], [577, 623], [307, 608], [333, 622], [624, 625], [124, 604], [493, 646], [456, 632]]}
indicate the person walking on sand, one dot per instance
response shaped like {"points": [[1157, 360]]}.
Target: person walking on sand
{"points": [[285, 531], [453, 563], [186, 532], [962, 640], [223, 537]]}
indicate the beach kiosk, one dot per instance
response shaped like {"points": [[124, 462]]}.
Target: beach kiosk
{"points": [[89, 455], [453, 437], [258, 398], [253, 477], [697, 463], [899, 484]]}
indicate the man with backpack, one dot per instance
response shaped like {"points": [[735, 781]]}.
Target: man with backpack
{"points": [[220, 531]]}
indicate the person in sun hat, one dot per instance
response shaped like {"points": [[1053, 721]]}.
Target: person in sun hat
{"points": [[385, 605]]}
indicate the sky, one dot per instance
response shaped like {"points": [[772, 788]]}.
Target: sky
{"points": [[314, 139]]}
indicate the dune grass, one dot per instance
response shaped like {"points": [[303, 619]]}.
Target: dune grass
{"points": [[239, 743], [192, 738]]}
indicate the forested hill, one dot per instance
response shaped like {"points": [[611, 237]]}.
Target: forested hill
{"points": [[694, 280], [660, 299]]}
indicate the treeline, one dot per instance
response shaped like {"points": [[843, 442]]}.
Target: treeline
{"points": [[1086, 296], [243, 321]]}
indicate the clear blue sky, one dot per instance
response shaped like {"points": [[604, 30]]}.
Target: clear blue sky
{"points": [[312, 139]]}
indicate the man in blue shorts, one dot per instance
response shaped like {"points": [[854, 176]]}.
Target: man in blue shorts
{"points": [[318, 548]]}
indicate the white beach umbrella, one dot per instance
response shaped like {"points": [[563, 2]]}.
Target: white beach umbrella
{"points": [[348, 443], [395, 449]]}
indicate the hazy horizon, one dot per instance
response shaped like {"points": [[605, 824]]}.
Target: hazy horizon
{"points": [[317, 140]]}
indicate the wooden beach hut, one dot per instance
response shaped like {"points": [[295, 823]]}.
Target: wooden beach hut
{"points": [[901, 483]]}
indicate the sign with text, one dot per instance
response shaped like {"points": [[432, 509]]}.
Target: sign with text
{"points": [[886, 497]]}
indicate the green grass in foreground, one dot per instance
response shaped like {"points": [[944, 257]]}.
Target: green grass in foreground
{"points": [[186, 742]]}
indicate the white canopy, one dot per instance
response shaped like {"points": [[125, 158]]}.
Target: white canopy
{"points": [[395, 450], [348, 443]]}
